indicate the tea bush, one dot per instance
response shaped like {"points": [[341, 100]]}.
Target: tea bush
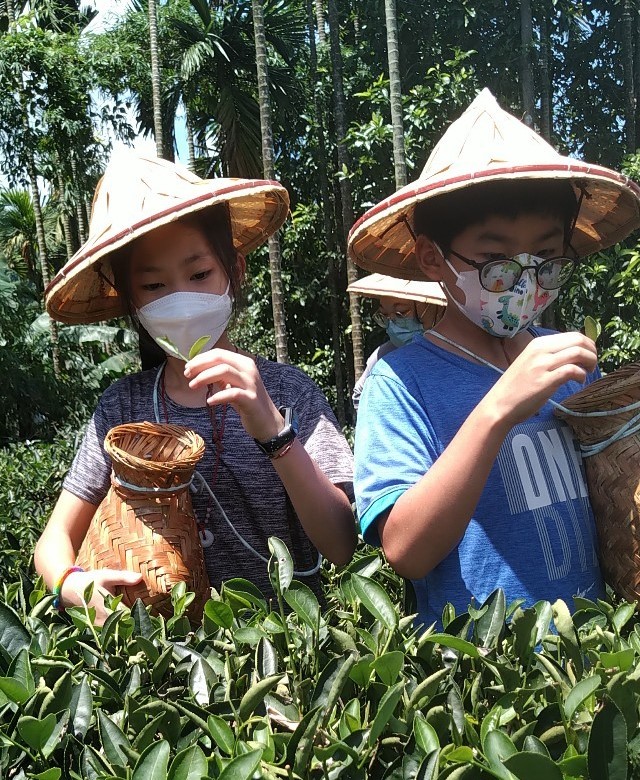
{"points": [[296, 689], [31, 476]]}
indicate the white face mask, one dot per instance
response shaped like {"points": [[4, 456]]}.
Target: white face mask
{"points": [[503, 314], [185, 317]]}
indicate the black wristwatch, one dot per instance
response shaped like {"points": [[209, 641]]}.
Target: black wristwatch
{"points": [[286, 435]]}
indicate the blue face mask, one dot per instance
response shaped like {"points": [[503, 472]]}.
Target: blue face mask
{"points": [[402, 330]]}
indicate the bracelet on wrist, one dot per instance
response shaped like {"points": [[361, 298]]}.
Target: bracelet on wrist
{"points": [[283, 451], [57, 588]]}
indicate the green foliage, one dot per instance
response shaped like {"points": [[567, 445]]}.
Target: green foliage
{"points": [[31, 476], [348, 689]]}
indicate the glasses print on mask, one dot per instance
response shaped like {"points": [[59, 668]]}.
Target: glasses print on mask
{"points": [[504, 296]]}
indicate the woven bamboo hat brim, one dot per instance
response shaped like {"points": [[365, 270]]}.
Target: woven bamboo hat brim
{"points": [[488, 144], [380, 286], [138, 194]]}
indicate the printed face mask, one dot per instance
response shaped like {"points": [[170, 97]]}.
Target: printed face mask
{"points": [[503, 314], [401, 330], [184, 317]]}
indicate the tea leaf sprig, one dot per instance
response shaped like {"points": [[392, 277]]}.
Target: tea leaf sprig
{"points": [[196, 347]]}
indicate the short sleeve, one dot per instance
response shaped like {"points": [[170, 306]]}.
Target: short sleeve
{"points": [[89, 475], [395, 445]]}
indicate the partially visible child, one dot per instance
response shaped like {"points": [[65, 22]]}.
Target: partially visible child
{"points": [[405, 309], [463, 473], [168, 248]]}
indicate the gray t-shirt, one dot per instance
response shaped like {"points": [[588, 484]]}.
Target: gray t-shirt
{"points": [[247, 486]]}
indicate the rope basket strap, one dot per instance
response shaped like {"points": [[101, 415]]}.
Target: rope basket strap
{"points": [[153, 455], [603, 408]]}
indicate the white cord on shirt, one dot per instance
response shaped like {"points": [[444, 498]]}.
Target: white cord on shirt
{"points": [[203, 481], [627, 429]]}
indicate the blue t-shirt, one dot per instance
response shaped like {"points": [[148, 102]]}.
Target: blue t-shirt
{"points": [[532, 532]]}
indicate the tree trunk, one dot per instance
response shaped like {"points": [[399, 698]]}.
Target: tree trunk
{"points": [[546, 121], [156, 95], [275, 265], [191, 152], [11, 17], [42, 251], [395, 94], [526, 71], [636, 75], [322, 25], [81, 213], [329, 232], [345, 184], [66, 222], [627, 64]]}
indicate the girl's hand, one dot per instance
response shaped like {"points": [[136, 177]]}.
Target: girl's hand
{"points": [[542, 367], [105, 583], [236, 381]]}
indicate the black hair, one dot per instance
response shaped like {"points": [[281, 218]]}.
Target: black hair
{"points": [[443, 217], [214, 223]]}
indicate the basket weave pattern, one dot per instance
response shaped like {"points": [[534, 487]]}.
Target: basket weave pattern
{"points": [[613, 475], [154, 533]]}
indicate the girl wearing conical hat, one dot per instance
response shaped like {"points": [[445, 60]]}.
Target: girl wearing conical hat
{"points": [[168, 248], [462, 472]]}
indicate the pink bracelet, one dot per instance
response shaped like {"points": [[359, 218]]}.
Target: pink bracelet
{"points": [[57, 588]]}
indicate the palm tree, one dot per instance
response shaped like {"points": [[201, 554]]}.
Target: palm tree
{"points": [[155, 77], [395, 93], [327, 210], [275, 265], [526, 70], [345, 185], [18, 241], [627, 63]]}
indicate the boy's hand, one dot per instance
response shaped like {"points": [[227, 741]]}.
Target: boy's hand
{"points": [[105, 582], [542, 367]]}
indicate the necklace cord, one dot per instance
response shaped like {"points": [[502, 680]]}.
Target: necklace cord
{"points": [[626, 429], [158, 390]]}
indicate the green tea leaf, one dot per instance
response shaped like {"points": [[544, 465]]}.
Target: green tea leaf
{"points": [[607, 748], [14, 637], [197, 346], [426, 736], [580, 693], [35, 731], [280, 565], [113, 740], [376, 600], [592, 328], [242, 767], [534, 766], [388, 666], [219, 613], [304, 603], [168, 345], [255, 695], [221, 733], [189, 764], [385, 710], [153, 763]]}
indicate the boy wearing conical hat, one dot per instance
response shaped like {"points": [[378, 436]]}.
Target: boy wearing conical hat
{"points": [[463, 474], [404, 308]]}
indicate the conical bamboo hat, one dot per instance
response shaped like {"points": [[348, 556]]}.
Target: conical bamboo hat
{"points": [[488, 144], [380, 286], [138, 194]]}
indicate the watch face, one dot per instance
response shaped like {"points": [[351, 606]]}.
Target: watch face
{"points": [[295, 423]]}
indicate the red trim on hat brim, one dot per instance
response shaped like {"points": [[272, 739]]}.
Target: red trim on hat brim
{"points": [[253, 183], [410, 192]]}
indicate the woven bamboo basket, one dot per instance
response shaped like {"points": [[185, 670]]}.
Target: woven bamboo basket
{"points": [[613, 474], [145, 522]]}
